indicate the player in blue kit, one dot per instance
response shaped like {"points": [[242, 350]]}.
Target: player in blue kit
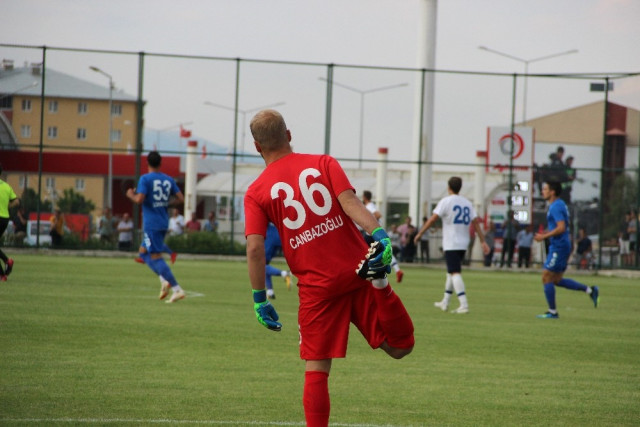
{"points": [[271, 246], [559, 251], [153, 193]]}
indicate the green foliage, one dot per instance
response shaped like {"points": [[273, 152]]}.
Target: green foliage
{"points": [[29, 200], [85, 340], [204, 243], [74, 202], [623, 198]]}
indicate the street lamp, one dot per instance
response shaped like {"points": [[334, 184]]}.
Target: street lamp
{"points": [[5, 95], [110, 173], [362, 94], [244, 114], [526, 70]]}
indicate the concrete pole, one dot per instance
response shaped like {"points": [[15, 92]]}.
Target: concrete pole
{"points": [[422, 149], [191, 178], [478, 199], [381, 185]]}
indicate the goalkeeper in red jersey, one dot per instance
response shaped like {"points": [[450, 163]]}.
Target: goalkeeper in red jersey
{"points": [[313, 205]]}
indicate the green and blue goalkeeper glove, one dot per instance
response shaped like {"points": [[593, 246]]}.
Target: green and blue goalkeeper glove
{"points": [[265, 313], [382, 261]]}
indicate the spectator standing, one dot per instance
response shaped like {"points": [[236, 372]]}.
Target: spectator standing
{"points": [[490, 240], [20, 225], [623, 240], [524, 240], [125, 232], [105, 227], [403, 230], [584, 250], [211, 224], [509, 230], [193, 225], [570, 176], [57, 228], [633, 236], [8, 199], [424, 244], [176, 223], [410, 248]]}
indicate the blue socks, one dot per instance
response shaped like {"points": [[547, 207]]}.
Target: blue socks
{"points": [[573, 285], [160, 267], [271, 271], [550, 294]]}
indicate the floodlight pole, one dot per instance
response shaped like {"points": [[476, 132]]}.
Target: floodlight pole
{"points": [[526, 63], [110, 172], [362, 94]]}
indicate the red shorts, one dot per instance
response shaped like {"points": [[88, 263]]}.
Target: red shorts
{"points": [[324, 323]]}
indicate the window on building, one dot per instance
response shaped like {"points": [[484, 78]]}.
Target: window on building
{"points": [[23, 181], [51, 183], [82, 134], [52, 132], [26, 105], [53, 106], [79, 184], [25, 131], [116, 135], [83, 108], [6, 103], [116, 109]]}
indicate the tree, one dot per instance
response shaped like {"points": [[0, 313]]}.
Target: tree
{"points": [[73, 202], [623, 198], [30, 199]]}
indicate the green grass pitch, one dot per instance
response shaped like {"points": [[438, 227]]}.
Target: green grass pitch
{"points": [[85, 340]]}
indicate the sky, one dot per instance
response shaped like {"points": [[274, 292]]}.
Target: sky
{"points": [[350, 32]]}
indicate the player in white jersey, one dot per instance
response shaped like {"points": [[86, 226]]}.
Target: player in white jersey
{"points": [[457, 213], [371, 207]]}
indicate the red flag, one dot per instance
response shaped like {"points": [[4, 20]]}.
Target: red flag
{"points": [[184, 133], [204, 151]]}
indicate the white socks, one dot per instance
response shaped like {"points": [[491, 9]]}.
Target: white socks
{"points": [[448, 289], [458, 285]]}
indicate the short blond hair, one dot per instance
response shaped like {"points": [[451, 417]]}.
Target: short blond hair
{"points": [[269, 129]]}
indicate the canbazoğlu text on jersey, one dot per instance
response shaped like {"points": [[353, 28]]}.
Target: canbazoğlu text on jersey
{"points": [[316, 231]]}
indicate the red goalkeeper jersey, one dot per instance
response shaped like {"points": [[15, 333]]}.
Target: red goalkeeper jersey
{"points": [[299, 194]]}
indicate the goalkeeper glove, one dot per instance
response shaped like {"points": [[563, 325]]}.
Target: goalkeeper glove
{"points": [[363, 269], [265, 313], [382, 260]]}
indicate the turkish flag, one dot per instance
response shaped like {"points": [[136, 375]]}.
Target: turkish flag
{"points": [[184, 133]]}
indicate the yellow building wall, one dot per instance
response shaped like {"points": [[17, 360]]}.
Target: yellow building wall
{"points": [[94, 187], [68, 120]]}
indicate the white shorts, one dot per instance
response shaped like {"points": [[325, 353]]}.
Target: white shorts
{"points": [[624, 247]]}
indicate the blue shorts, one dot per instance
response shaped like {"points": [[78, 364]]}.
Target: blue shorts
{"points": [[153, 241], [557, 259], [454, 260]]}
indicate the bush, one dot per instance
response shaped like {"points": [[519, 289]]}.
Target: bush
{"points": [[204, 243]]}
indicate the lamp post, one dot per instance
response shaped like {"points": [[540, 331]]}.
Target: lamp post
{"points": [[244, 114], [110, 171], [526, 63], [5, 95], [362, 94]]}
